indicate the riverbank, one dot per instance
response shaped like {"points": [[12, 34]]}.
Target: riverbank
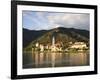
{"points": [[83, 51]]}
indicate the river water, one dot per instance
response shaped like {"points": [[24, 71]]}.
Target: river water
{"points": [[44, 60]]}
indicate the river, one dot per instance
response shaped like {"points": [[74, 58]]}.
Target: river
{"points": [[48, 59]]}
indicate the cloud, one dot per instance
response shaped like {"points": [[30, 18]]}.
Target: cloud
{"points": [[32, 20], [48, 20], [70, 20]]}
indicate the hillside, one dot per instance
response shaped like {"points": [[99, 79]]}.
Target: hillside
{"points": [[62, 35], [31, 35]]}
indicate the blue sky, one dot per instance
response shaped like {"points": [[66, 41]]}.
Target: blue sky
{"points": [[34, 20]]}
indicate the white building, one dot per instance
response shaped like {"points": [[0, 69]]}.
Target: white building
{"points": [[79, 45], [41, 48], [37, 44]]}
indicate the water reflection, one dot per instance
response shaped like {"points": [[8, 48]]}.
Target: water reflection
{"points": [[40, 60]]}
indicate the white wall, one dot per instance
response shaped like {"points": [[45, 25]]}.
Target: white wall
{"points": [[5, 30]]}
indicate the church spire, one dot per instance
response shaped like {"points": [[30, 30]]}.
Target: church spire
{"points": [[53, 41]]}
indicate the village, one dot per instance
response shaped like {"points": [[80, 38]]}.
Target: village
{"points": [[58, 47]]}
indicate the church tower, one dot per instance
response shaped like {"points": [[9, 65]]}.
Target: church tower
{"points": [[53, 48], [53, 41]]}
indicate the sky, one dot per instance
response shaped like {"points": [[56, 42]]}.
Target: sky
{"points": [[35, 20]]}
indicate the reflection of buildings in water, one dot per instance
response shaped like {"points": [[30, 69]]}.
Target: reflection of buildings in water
{"points": [[78, 59], [60, 56], [41, 58], [53, 56], [59, 59], [84, 58], [46, 58], [36, 60], [74, 59], [33, 58]]}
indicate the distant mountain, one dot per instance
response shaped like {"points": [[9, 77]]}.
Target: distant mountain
{"points": [[30, 35], [62, 35]]}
